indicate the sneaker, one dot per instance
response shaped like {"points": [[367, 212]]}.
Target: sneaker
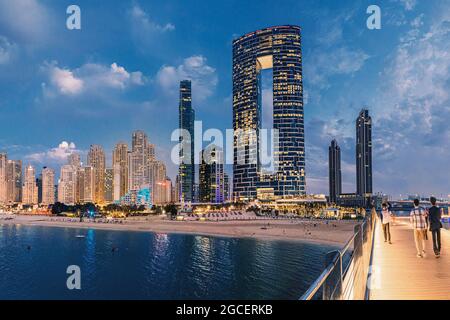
{"points": [[390, 242], [419, 255]]}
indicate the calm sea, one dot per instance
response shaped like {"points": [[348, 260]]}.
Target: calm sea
{"points": [[143, 265]]}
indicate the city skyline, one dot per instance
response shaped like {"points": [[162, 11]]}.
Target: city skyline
{"points": [[392, 81]]}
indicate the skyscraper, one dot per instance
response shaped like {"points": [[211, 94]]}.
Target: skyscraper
{"points": [[109, 176], [67, 185], [3, 180], [158, 182], [364, 154], [29, 188], [14, 181], [277, 48], [120, 170], [212, 184], [88, 184], [335, 177], [141, 152], [96, 159], [48, 186], [186, 123]]}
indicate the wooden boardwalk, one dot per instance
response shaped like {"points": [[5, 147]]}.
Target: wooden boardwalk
{"points": [[397, 274]]}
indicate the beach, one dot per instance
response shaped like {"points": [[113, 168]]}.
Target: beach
{"points": [[333, 232]]}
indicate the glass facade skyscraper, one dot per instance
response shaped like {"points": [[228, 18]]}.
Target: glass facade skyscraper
{"points": [[335, 176], [277, 48], [186, 122], [364, 154]]}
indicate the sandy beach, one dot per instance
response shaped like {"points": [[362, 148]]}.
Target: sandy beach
{"points": [[317, 231]]}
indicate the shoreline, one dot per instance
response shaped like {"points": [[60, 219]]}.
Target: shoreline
{"points": [[326, 232]]}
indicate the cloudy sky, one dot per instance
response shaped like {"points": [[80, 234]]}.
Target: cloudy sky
{"points": [[62, 90]]}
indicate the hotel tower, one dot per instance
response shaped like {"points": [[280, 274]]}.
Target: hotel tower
{"points": [[279, 49]]}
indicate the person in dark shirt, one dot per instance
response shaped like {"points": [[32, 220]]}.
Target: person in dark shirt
{"points": [[434, 217]]}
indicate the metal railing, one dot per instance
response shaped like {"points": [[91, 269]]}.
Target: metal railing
{"points": [[346, 272]]}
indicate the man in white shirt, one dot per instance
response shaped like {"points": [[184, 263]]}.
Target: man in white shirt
{"points": [[419, 224]]}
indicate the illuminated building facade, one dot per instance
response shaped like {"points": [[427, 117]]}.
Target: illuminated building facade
{"points": [[14, 181], [277, 48], [96, 159], [212, 182], [67, 185], [158, 175], [364, 154], [29, 188], [186, 122], [141, 197], [109, 176], [120, 168], [142, 152], [48, 186]]}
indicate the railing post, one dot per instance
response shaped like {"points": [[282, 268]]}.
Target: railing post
{"points": [[333, 283]]}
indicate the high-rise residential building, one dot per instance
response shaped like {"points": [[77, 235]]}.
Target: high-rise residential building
{"points": [[226, 187], [186, 124], [3, 179], [279, 49], [335, 177], [29, 187], [109, 177], [39, 187], [96, 159], [79, 197], [120, 170], [74, 159], [88, 184], [212, 187], [67, 185], [48, 186], [176, 190], [139, 157], [364, 154], [158, 176], [168, 190], [14, 181]]}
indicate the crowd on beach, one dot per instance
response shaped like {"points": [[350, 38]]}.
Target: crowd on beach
{"points": [[422, 220]]}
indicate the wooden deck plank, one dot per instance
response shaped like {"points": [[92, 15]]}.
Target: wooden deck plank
{"points": [[399, 275]]}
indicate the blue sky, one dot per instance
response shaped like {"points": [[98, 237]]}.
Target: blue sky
{"points": [[120, 73]]}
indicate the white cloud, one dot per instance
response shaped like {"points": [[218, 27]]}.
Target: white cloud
{"points": [[142, 22], [338, 61], [414, 108], [58, 154], [6, 50], [89, 77], [65, 81], [26, 20], [195, 68]]}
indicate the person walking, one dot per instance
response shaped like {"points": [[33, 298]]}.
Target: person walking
{"points": [[386, 219], [419, 224], [434, 217]]}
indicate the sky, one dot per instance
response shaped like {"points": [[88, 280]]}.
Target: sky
{"points": [[62, 90]]}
